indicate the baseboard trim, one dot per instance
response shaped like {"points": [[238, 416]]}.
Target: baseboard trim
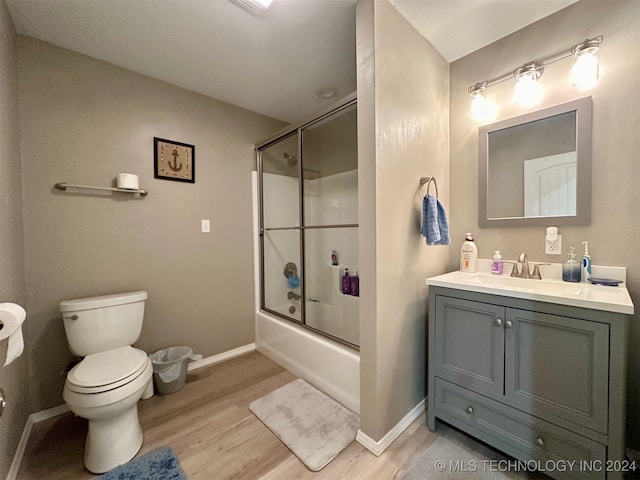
{"points": [[62, 409], [380, 446], [221, 357], [26, 432]]}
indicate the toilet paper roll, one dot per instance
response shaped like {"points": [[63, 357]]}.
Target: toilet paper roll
{"points": [[128, 181], [12, 317]]}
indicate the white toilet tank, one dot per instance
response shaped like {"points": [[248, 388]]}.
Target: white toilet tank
{"points": [[98, 324]]}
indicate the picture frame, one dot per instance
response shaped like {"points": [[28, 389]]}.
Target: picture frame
{"points": [[174, 160]]}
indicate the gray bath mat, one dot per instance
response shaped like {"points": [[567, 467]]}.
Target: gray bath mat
{"points": [[315, 427]]}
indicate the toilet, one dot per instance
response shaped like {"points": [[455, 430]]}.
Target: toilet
{"points": [[107, 384]]}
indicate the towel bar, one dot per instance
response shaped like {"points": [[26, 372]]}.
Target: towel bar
{"points": [[64, 186]]}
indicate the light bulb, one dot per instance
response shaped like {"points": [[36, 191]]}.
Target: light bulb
{"points": [[584, 74], [527, 92], [479, 106]]}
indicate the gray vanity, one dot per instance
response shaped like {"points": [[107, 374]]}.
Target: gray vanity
{"points": [[535, 370]]}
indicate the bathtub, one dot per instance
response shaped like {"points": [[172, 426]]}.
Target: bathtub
{"points": [[328, 366]]}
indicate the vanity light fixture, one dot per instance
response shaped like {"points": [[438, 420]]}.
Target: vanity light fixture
{"points": [[528, 92], [584, 74], [479, 102]]}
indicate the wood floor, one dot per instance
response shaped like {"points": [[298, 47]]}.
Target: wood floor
{"points": [[214, 435]]}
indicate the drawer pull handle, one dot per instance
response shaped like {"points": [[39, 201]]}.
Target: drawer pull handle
{"points": [[540, 441], [498, 322], [469, 410], [508, 324]]}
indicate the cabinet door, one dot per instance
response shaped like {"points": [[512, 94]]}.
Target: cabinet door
{"points": [[557, 368], [469, 348]]}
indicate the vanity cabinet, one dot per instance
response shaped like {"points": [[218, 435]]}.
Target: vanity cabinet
{"points": [[538, 381]]}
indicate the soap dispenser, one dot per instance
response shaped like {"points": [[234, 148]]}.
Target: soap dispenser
{"points": [[571, 269]]}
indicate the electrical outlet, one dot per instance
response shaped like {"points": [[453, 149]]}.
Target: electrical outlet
{"points": [[553, 248]]}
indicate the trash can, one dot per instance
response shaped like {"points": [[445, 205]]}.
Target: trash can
{"points": [[170, 368]]}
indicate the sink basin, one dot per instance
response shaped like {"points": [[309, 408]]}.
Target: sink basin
{"points": [[563, 288]]}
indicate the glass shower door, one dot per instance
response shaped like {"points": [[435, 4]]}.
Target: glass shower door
{"points": [[330, 201], [281, 242]]}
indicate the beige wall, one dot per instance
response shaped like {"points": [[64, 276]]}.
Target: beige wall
{"points": [[403, 85], [11, 234], [84, 121], [615, 225]]}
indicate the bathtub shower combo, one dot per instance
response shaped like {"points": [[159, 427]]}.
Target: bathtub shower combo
{"points": [[307, 227]]}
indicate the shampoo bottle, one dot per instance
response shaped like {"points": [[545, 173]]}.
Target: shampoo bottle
{"points": [[346, 282], [354, 284], [468, 255], [586, 263], [571, 268]]}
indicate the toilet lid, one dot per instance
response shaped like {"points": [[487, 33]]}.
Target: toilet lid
{"points": [[106, 370]]}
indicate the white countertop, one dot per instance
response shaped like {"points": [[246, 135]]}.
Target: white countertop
{"points": [[585, 295]]}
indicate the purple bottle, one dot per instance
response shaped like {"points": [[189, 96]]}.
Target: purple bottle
{"points": [[354, 284], [346, 283]]}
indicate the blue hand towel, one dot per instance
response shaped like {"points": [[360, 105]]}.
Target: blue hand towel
{"points": [[435, 227]]}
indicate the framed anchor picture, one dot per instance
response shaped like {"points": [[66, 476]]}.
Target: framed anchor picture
{"points": [[174, 160]]}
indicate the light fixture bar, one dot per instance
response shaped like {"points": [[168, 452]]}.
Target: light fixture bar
{"points": [[592, 43]]}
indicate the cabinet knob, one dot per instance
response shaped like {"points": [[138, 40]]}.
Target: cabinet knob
{"points": [[508, 324], [469, 410], [498, 322], [540, 441]]}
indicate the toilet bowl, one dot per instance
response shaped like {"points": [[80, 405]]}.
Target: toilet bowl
{"points": [[105, 388], [107, 384]]}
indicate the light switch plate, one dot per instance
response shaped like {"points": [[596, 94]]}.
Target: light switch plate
{"points": [[205, 225]]}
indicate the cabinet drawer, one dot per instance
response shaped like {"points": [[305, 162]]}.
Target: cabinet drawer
{"points": [[526, 437]]}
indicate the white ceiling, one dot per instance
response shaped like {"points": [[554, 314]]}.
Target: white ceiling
{"points": [[273, 63]]}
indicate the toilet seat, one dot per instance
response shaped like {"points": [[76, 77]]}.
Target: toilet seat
{"points": [[105, 371]]}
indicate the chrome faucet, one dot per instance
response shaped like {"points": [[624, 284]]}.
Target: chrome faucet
{"points": [[524, 271]]}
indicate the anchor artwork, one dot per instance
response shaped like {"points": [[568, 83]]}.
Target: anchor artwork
{"points": [[174, 160]]}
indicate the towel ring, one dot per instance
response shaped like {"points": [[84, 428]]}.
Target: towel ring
{"points": [[429, 181]]}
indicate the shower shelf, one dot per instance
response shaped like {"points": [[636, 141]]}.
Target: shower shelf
{"points": [[63, 186]]}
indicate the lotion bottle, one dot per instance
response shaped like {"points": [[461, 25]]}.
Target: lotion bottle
{"points": [[468, 255]]}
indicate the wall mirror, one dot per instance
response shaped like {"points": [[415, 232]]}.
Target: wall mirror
{"points": [[535, 169]]}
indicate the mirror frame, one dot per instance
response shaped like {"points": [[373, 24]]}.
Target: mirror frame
{"points": [[583, 109]]}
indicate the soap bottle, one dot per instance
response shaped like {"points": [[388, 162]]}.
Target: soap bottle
{"points": [[346, 282], [586, 263], [334, 257], [354, 284], [497, 265], [571, 269], [468, 255]]}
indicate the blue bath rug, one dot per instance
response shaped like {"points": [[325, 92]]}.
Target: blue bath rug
{"points": [[158, 464]]}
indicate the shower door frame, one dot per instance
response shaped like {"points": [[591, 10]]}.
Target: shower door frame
{"points": [[297, 129]]}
